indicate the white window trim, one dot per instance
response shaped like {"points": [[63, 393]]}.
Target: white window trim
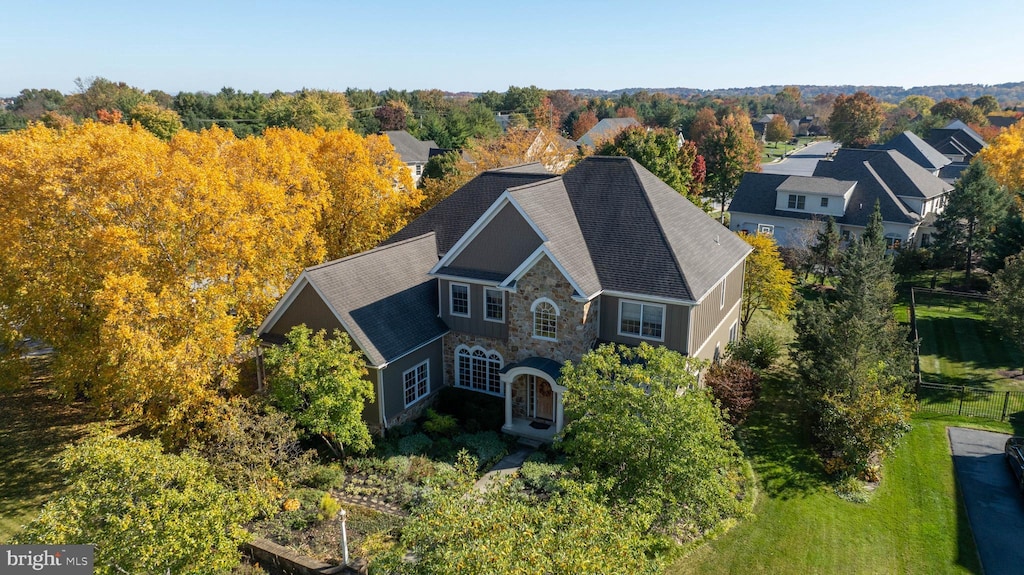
{"points": [[664, 320], [721, 302], [488, 353], [533, 310], [734, 333], [413, 369], [491, 319], [451, 300]]}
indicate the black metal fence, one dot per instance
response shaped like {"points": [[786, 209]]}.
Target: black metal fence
{"points": [[970, 401]]}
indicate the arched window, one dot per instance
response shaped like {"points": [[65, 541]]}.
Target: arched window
{"points": [[545, 319], [478, 369]]}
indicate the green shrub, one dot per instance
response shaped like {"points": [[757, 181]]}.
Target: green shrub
{"points": [[324, 477], [329, 508], [443, 425], [761, 349], [416, 444], [487, 446], [541, 476], [420, 468], [476, 411]]}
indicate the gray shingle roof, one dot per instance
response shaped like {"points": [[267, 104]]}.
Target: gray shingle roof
{"points": [[1002, 121], [605, 130], [917, 150], [384, 296], [411, 150], [547, 204], [454, 215], [956, 138], [812, 185], [643, 236]]}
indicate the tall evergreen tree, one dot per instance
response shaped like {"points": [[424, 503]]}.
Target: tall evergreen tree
{"points": [[976, 205], [825, 251]]}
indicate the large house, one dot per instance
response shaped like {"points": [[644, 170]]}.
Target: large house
{"points": [[414, 153], [517, 272], [794, 208], [605, 131]]}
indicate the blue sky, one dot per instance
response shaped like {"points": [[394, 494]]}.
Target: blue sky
{"points": [[461, 45]]}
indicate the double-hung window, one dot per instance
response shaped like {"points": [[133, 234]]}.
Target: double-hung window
{"points": [[643, 320], [459, 299], [416, 382], [797, 202], [494, 305], [545, 319]]}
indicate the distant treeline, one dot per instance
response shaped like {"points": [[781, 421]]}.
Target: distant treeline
{"points": [[1009, 94]]}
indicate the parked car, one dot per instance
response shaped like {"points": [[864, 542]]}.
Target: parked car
{"points": [[1014, 452]]}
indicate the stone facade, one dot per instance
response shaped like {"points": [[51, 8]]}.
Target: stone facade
{"points": [[577, 328], [577, 321]]}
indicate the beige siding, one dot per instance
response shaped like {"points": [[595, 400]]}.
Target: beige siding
{"points": [[371, 413], [474, 324], [501, 246], [710, 314], [307, 308], [675, 329]]}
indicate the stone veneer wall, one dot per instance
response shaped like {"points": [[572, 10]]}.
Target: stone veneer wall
{"points": [[578, 323]]}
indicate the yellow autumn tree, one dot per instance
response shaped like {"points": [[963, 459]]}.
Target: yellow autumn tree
{"points": [[1005, 157], [142, 262], [767, 283]]}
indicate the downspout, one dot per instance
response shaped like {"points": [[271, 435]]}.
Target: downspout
{"points": [[380, 399]]}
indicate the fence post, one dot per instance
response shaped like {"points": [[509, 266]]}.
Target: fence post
{"points": [[963, 392], [1006, 401]]}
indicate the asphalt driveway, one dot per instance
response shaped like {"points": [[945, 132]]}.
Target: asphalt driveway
{"points": [[995, 508]]}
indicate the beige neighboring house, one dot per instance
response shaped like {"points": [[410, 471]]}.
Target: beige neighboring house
{"points": [[414, 153], [551, 150], [517, 272], [605, 130]]}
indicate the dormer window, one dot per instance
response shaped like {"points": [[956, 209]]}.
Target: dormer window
{"points": [[824, 202], [545, 319], [797, 202]]}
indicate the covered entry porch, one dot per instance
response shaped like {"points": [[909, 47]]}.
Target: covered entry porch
{"points": [[533, 399]]}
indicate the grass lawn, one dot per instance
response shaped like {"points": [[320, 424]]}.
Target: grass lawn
{"points": [[773, 150], [960, 346], [36, 427], [913, 523]]}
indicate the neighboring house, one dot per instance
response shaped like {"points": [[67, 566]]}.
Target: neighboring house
{"points": [[551, 150], [794, 208], [517, 272], [414, 153], [1002, 121], [957, 141], [917, 150], [761, 124], [605, 131]]}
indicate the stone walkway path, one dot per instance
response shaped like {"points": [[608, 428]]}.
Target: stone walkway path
{"points": [[369, 503], [507, 466]]}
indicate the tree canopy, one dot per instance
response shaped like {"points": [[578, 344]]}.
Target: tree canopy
{"points": [[1004, 157], [638, 418], [855, 120], [1008, 300], [767, 283], [659, 151], [146, 511]]}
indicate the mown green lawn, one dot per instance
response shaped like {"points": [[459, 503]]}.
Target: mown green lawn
{"points": [[34, 427], [960, 346], [913, 523]]}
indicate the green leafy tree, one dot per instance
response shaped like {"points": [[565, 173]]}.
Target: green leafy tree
{"points": [[659, 152], [1007, 293], [146, 511], [855, 120], [920, 105], [459, 531], [976, 205], [163, 123], [960, 109], [767, 283], [641, 426], [319, 381], [987, 103], [308, 110], [825, 251]]}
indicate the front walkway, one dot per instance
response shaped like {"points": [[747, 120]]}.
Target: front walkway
{"points": [[507, 466]]}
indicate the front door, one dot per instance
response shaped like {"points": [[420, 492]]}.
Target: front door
{"points": [[545, 400]]}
